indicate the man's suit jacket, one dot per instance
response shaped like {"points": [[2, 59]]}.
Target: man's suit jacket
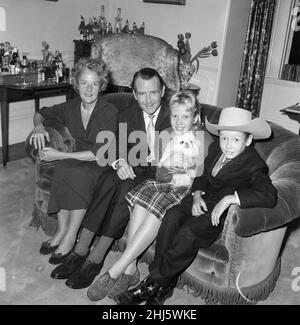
{"points": [[247, 174], [132, 115]]}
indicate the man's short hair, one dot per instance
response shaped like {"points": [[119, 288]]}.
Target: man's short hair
{"points": [[147, 74]]}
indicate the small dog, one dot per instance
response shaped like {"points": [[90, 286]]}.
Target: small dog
{"points": [[180, 153]]}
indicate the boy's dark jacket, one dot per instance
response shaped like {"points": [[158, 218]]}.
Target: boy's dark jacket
{"points": [[247, 174]]}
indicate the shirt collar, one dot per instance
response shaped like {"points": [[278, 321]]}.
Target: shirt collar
{"points": [[147, 119]]}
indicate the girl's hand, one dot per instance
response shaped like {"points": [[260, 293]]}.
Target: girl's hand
{"points": [[199, 206], [38, 138], [50, 154], [181, 180], [176, 160]]}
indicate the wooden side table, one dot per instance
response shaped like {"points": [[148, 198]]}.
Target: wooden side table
{"points": [[16, 93]]}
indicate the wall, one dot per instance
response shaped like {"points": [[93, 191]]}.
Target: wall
{"points": [[204, 19], [57, 23], [234, 38], [28, 23], [277, 93]]}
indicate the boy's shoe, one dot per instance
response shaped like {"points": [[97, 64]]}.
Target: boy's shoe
{"points": [[101, 287], [161, 295], [144, 291], [123, 283]]}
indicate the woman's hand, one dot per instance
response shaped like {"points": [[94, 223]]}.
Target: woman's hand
{"points": [[50, 154], [38, 137], [199, 206]]}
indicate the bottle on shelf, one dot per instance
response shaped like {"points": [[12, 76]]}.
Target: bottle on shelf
{"points": [[18, 67], [13, 60], [1, 54], [41, 72], [82, 29], [58, 67]]}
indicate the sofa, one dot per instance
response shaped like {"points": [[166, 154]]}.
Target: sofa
{"points": [[242, 266]]}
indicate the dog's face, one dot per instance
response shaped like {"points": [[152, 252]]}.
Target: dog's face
{"points": [[185, 143]]}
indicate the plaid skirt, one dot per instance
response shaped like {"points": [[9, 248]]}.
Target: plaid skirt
{"points": [[156, 197]]}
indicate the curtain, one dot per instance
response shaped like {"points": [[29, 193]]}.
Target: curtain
{"points": [[255, 55]]}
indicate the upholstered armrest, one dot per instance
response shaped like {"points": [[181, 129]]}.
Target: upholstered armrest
{"points": [[248, 222], [60, 139]]}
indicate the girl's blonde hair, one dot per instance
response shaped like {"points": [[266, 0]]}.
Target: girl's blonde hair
{"points": [[190, 101]]}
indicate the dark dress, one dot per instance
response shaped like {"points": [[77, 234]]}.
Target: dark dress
{"points": [[74, 181]]}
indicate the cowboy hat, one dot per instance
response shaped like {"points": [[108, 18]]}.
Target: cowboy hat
{"points": [[238, 119]]}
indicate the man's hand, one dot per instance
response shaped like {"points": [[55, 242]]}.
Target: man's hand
{"points": [[221, 206], [199, 205], [38, 138], [125, 171], [50, 154]]}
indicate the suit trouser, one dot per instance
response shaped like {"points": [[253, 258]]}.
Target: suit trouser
{"points": [[108, 213], [179, 238]]}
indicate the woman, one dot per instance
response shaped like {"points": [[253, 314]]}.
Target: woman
{"points": [[76, 175]]}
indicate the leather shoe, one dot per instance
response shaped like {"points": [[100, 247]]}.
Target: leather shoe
{"points": [[46, 248], [161, 295], [84, 275], [71, 263], [58, 258], [139, 294]]}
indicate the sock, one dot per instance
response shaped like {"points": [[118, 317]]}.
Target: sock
{"points": [[99, 251], [83, 244]]}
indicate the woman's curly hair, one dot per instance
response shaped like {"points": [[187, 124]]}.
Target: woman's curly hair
{"points": [[92, 65]]}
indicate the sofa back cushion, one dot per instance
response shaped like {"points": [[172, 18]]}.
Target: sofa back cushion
{"points": [[124, 54]]}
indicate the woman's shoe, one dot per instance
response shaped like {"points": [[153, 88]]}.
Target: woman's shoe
{"points": [[46, 248], [58, 258]]}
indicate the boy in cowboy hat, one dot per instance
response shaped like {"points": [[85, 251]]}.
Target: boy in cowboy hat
{"points": [[234, 173]]}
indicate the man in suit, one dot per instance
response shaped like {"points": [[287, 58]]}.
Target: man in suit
{"points": [[108, 213], [234, 173]]}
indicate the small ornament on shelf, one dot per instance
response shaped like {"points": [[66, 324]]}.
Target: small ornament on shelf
{"points": [[189, 64], [100, 26], [118, 22]]}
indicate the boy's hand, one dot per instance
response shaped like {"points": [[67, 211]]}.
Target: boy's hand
{"points": [[220, 207], [199, 205]]}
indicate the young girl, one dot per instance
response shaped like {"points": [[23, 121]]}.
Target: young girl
{"points": [[151, 199]]}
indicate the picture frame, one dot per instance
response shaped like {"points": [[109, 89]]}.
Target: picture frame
{"points": [[170, 2]]}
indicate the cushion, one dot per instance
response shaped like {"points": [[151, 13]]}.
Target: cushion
{"points": [[124, 54]]}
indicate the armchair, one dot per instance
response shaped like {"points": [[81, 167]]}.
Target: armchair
{"points": [[124, 54], [242, 266]]}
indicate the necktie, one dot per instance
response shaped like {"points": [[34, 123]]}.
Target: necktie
{"points": [[224, 162], [219, 165], [151, 137]]}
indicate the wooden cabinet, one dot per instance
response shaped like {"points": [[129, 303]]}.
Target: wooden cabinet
{"points": [[82, 49]]}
